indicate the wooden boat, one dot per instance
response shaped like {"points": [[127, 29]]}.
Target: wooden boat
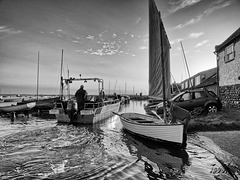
{"points": [[159, 86], [96, 108], [151, 127], [18, 107]]}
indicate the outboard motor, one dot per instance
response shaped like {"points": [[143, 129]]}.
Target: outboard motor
{"points": [[72, 110]]}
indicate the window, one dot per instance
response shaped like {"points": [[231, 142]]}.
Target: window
{"points": [[186, 96], [199, 95], [197, 80], [186, 84], [229, 53]]}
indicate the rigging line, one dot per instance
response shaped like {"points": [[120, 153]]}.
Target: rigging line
{"points": [[186, 64]]}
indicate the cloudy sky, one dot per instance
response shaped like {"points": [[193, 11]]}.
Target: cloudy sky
{"points": [[106, 39]]}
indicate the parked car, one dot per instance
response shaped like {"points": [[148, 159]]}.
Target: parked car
{"points": [[190, 100]]}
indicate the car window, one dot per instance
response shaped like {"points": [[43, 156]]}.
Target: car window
{"points": [[199, 95], [186, 96], [212, 93]]}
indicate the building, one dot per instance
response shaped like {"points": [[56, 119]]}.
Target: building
{"points": [[228, 70], [205, 79]]}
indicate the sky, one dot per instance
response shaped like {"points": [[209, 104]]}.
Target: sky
{"points": [[106, 39]]}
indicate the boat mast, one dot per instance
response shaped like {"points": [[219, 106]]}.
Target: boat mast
{"points": [[186, 64], [163, 70], [38, 74], [61, 78]]}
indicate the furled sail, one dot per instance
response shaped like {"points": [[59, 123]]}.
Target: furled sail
{"points": [[159, 64]]}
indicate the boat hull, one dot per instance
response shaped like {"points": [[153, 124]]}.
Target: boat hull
{"points": [[86, 116], [152, 128], [17, 108]]}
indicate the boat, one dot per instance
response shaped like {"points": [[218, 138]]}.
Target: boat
{"points": [[18, 107], [5, 104], [156, 128], [151, 127], [96, 108], [151, 105]]}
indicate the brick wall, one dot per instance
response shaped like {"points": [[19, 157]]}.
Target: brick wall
{"points": [[230, 95], [229, 72]]}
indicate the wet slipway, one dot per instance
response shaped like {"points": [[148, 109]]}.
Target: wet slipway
{"points": [[42, 149]]}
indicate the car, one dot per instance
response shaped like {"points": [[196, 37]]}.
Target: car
{"points": [[191, 100]]}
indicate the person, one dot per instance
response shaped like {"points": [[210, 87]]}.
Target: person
{"points": [[81, 95], [178, 113]]}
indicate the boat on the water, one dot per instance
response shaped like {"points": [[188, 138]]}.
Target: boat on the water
{"points": [[96, 108], [159, 87], [5, 104], [18, 107], [151, 127]]}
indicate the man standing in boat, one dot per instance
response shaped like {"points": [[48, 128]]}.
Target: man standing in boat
{"points": [[81, 95], [178, 113]]}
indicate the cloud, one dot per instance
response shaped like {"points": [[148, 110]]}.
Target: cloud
{"points": [[143, 47], [138, 20], [190, 22], [201, 43], [181, 4], [176, 41], [196, 35], [4, 29], [217, 5]]}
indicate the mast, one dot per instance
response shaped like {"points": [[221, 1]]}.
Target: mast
{"points": [[186, 64], [38, 75], [163, 70], [61, 78]]}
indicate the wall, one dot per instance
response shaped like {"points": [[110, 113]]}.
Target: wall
{"points": [[230, 95], [229, 72], [229, 78]]}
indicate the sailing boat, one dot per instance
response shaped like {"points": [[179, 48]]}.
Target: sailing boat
{"points": [[159, 86]]}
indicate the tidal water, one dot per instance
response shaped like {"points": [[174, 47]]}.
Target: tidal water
{"points": [[40, 148]]}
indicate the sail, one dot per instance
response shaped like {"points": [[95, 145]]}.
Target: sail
{"points": [[159, 55]]}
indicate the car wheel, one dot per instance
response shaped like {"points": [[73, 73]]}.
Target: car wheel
{"points": [[211, 108]]}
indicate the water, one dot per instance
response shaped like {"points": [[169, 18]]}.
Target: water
{"points": [[43, 149]]}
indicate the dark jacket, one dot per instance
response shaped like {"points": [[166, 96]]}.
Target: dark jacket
{"points": [[80, 95]]}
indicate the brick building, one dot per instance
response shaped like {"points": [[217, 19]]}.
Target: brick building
{"points": [[228, 70]]}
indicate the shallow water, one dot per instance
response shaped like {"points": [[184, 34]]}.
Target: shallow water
{"points": [[43, 149]]}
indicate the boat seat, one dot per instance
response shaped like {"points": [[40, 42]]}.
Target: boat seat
{"points": [[141, 120], [144, 121]]}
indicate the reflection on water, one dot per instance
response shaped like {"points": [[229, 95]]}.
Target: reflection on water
{"points": [[43, 149]]}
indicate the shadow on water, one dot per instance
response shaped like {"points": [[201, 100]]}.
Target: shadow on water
{"points": [[160, 161]]}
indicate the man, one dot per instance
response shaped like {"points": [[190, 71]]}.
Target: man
{"points": [[81, 95], [181, 114]]}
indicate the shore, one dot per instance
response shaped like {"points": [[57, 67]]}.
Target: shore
{"points": [[223, 128], [224, 120]]}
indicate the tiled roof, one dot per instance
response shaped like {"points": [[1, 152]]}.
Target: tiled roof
{"points": [[228, 40]]}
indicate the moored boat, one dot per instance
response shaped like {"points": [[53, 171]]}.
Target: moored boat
{"points": [[152, 127], [18, 107], [159, 88]]}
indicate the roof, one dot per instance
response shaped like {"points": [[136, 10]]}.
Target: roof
{"points": [[228, 40], [208, 73], [209, 81]]}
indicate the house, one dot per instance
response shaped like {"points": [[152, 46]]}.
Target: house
{"points": [[205, 79], [228, 70]]}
